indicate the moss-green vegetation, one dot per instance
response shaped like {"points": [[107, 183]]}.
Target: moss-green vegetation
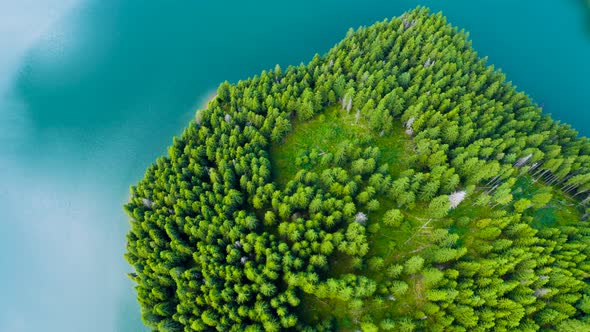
{"points": [[332, 130], [395, 183]]}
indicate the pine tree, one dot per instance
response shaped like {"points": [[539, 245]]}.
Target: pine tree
{"points": [[413, 265], [393, 218]]}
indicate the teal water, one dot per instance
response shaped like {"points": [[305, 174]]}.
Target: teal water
{"points": [[92, 91]]}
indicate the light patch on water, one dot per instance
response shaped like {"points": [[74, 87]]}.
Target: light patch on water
{"points": [[65, 266], [23, 23], [63, 232], [14, 126]]}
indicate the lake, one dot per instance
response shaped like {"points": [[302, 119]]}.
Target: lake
{"points": [[92, 91]]}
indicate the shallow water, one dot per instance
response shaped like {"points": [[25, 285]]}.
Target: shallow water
{"points": [[91, 92]]}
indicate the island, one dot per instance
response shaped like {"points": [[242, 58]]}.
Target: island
{"points": [[396, 183]]}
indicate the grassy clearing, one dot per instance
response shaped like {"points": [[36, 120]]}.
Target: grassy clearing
{"points": [[326, 133]]}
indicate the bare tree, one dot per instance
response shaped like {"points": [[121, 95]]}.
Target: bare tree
{"points": [[522, 161], [147, 203], [409, 123], [348, 104], [408, 24], [456, 198], [361, 218]]}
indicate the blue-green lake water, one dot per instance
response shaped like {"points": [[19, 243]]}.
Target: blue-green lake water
{"points": [[92, 91]]}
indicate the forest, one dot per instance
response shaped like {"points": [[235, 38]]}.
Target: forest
{"points": [[396, 183]]}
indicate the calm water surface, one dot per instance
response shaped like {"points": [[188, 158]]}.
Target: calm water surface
{"points": [[92, 91]]}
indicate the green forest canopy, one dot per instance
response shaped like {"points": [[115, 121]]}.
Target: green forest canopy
{"points": [[395, 183]]}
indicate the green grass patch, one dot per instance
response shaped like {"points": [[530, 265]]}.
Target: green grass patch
{"points": [[559, 211], [326, 132]]}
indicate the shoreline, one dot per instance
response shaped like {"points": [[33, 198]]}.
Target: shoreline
{"points": [[204, 105], [210, 97]]}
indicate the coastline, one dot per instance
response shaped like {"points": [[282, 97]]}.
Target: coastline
{"points": [[204, 105], [210, 97]]}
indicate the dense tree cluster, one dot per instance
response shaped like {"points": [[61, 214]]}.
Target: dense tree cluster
{"points": [[218, 243]]}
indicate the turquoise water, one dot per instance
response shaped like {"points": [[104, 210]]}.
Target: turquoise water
{"points": [[92, 91]]}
